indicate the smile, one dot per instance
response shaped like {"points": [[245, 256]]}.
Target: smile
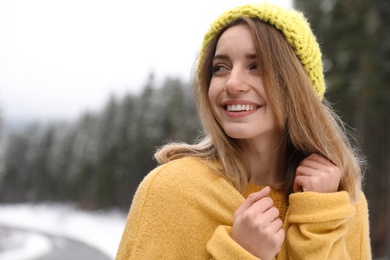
{"points": [[238, 108]]}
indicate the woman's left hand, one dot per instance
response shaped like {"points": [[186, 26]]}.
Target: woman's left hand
{"points": [[315, 173]]}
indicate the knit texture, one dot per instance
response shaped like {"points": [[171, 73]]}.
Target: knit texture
{"points": [[277, 196], [183, 210], [294, 27]]}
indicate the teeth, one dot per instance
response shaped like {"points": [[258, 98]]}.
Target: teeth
{"points": [[236, 108]]}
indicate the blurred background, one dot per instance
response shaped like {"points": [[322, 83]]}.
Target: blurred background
{"points": [[89, 89]]}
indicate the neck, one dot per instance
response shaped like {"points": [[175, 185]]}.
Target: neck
{"points": [[267, 161]]}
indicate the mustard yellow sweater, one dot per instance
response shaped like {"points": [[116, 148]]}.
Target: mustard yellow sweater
{"points": [[182, 210]]}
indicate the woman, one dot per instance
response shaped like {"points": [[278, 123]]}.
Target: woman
{"points": [[274, 175]]}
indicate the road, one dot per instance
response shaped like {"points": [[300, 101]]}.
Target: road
{"points": [[68, 249]]}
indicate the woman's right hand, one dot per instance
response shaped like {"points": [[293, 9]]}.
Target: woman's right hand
{"points": [[257, 226]]}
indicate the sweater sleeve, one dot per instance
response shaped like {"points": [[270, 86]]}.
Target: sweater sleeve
{"points": [[159, 224], [181, 210], [222, 246], [321, 226]]}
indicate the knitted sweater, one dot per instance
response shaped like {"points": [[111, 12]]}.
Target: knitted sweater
{"points": [[183, 210]]}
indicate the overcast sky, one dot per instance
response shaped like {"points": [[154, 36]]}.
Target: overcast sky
{"points": [[59, 58]]}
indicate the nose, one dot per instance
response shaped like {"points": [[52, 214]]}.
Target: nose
{"points": [[236, 82]]}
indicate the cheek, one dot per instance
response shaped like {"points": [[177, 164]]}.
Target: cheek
{"points": [[260, 88], [212, 94]]}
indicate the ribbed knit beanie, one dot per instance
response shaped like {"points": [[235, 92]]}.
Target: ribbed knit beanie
{"points": [[294, 27]]}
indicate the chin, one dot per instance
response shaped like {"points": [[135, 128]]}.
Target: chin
{"points": [[238, 135], [244, 134]]}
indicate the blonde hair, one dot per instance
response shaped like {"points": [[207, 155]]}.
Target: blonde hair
{"points": [[309, 124]]}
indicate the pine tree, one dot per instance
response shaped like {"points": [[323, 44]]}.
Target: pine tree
{"points": [[356, 48]]}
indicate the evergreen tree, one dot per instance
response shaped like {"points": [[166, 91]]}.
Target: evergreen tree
{"points": [[15, 180], [356, 46]]}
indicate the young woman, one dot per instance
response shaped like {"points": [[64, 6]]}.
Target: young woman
{"points": [[274, 176]]}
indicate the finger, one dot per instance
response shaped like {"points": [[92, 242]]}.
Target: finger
{"points": [[297, 187], [271, 214], [311, 164], [276, 225], [262, 205], [306, 171], [253, 198], [311, 168], [300, 183]]}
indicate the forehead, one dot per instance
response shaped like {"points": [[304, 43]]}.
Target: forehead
{"points": [[237, 37]]}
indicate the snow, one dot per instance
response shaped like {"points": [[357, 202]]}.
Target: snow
{"points": [[24, 245], [101, 230]]}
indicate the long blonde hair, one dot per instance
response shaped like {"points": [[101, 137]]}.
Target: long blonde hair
{"points": [[309, 125]]}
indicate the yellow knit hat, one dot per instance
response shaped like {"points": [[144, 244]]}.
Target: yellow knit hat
{"points": [[294, 27]]}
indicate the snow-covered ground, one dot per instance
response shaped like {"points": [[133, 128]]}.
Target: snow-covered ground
{"points": [[101, 230]]}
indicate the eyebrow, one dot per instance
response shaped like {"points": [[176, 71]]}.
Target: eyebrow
{"points": [[226, 57]]}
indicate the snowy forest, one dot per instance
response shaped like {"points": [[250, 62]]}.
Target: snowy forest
{"points": [[99, 159]]}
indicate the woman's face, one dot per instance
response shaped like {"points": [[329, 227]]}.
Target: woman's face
{"points": [[236, 93]]}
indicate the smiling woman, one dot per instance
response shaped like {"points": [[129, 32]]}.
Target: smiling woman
{"points": [[272, 150], [54, 52], [235, 72]]}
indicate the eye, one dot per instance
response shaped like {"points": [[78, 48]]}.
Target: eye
{"points": [[219, 69], [254, 66]]}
